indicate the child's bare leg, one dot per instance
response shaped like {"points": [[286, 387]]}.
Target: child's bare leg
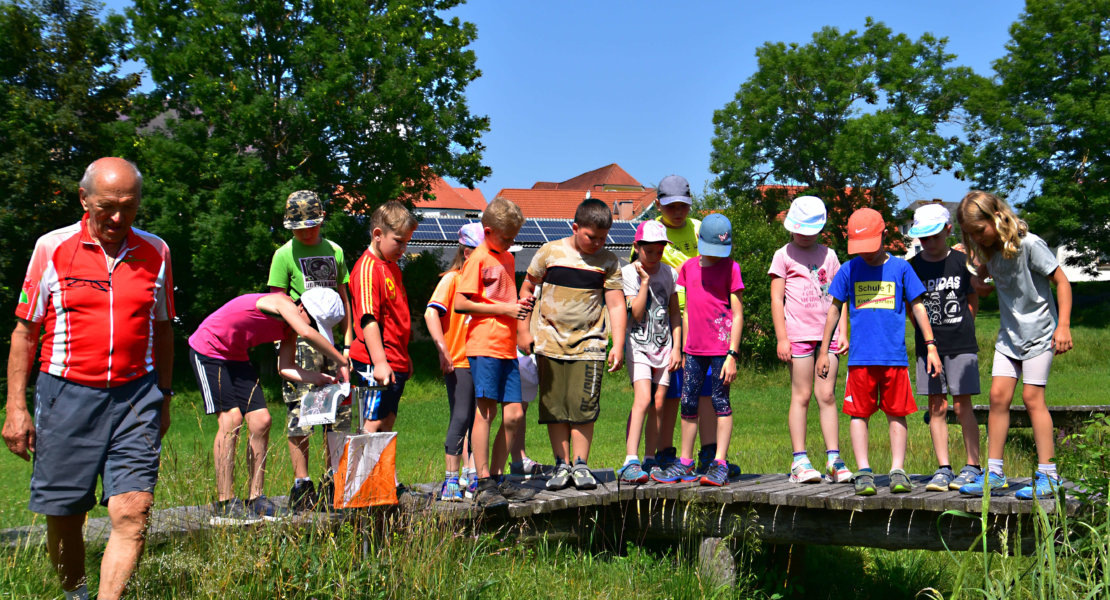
{"points": [[258, 424], [484, 414], [938, 426], [825, 392], [516, 442], [580, 436], [1041, 419], [970, 426], [380, 426], [298, 455], [724, 436], [653, 420], [230, 422], [898, 435], [559, 434], [801, 389], [637, 420], [998, 424], [668, 418], [512, 419], [857, 431], [689, 432]]}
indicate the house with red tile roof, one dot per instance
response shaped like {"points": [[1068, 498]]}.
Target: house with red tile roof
{"points": [[448, 201], [611, 184]]}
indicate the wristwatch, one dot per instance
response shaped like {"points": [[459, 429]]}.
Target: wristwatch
{"points": [[734, 354], [166, 391]]}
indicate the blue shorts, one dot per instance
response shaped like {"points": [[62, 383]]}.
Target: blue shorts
{"points": [[698, 373], [82, 433], [376, 403], [496, 378], [674, 391]]}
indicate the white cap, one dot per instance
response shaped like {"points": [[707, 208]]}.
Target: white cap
{"points": [[806, 216], [929, 219], [326, 307]]}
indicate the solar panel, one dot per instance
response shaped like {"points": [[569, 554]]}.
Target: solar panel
{"points": [[534, 232]]}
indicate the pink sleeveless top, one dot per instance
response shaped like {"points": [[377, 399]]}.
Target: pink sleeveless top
{"points": [[235, 328]]}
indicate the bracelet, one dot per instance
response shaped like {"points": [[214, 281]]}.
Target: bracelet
{"points": [[930, 342], [166, 391]]}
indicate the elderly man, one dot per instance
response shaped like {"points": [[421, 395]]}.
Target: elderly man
{"points": [[103, 294]]}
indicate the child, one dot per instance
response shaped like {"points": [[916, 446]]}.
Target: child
{"points": [[448, 331], [800, 275], [487, 293], [877, 287], [649, 287], [711, 326], [1031, 331], [305, 262], [229, 383], [582, 281], [952, 305], [382, 323]]}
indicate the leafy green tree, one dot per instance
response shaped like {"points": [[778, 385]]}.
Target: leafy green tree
{"points": [[849, 117], [1044, 121], [359, 101], [61, 97]]}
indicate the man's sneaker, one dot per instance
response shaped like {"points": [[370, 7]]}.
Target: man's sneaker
{"points": [[803, 472], [865, 483], [514, 492], [529, 469], [717, 474], [451, 492], [583, 478], [561, 478], [838, 472], [899, 482], [232, 512], [676, 472], [1043, 486], [303, 496], [965, 476], [942, 479], [263, 507], [488, 495], [632, 473], [993, 481]]}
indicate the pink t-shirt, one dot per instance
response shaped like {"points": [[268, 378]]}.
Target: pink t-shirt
{"points": [[807, 273], [708, 312], [236, 327]]}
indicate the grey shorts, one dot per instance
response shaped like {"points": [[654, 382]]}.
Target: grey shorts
{"points": [[82, 433], [1031, 371], [960, 376]]}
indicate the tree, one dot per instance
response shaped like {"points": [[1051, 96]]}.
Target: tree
{"points": [[61, 97], [360, 101], [849, 117], [1044, 122]]}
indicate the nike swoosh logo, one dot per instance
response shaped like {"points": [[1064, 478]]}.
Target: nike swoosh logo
{"points": [[861, 230]]}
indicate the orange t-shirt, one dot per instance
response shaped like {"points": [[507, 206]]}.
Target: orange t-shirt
{"points": [[453, 323], [488, 277]]}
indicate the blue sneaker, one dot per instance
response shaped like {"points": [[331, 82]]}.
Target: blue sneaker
{"points": [[649, 465], [677, 472], [717, 474], [705, 458], [1043, 486], [451, 491], [472, 487], [633, 473], [993, 481]]}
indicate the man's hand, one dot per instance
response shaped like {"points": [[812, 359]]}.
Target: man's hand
{"points": [[19, 432]]}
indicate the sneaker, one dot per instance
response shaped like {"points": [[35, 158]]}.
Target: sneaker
{"points": [[1043, 486], [899, 482], [232, 512], [263, 507], [451, 491], [650, 464], [561, 478], [514, 492], [838, 472], [583, 478], [529, 469], [981, 481], [488, 495], [965, 476], [676, 472], [803, 472], [303, 496], [471, 487], [718, 474], [465, 476], [706, 455], [865, 483], [942, 479], [733, 470], [632, 473]]}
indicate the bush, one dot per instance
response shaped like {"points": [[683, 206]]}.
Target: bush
{"points": [[421, 275]]}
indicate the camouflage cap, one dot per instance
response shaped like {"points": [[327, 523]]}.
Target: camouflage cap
{"points": [[303, 209]]}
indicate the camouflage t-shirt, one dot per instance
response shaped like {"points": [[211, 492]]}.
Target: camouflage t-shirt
{"points": [[570, 313]]}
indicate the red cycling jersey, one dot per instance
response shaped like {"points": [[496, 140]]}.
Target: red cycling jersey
{"points": [[97, 313]]}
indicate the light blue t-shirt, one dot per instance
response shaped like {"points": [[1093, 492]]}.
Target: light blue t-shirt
{"points": [[876, 298], [1027, 310]]}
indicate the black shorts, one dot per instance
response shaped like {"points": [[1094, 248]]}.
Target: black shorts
{"points": [[376, 403], [227, 384]]}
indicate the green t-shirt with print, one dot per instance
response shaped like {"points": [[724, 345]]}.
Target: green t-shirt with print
{"points": [[297, 267]]}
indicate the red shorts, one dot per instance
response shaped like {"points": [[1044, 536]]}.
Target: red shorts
{"points": [[872, 387]]}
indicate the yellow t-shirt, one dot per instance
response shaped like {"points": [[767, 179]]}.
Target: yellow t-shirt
{"points": [[683, 247]]}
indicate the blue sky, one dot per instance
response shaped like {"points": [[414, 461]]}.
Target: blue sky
{"points": [[574, 85]]}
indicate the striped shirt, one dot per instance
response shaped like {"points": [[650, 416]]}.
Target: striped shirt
{"points": [[377, 292]]}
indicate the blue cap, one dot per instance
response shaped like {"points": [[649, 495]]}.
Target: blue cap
{"points": [[715, 236]]}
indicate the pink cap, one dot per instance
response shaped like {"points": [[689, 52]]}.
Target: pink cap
{"points": [[651, 231], [472, 234]]}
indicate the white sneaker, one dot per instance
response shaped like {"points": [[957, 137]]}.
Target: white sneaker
{"points": [[803, 472], [838, 472]]}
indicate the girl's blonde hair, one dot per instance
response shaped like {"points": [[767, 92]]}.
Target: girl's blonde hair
{"points": [[457, 262], [980, 206]]}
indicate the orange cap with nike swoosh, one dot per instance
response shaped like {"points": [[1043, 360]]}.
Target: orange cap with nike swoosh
{"points": [[865, 231]]}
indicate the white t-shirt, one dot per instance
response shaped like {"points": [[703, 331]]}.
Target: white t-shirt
{"points": [[649, 341]]}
